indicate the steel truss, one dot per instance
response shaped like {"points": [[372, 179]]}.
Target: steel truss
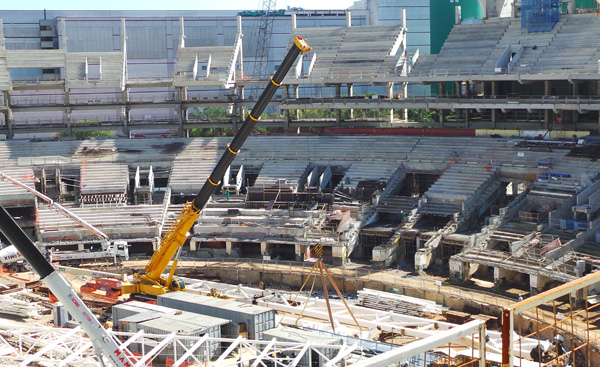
{"points": [[50, 346]]}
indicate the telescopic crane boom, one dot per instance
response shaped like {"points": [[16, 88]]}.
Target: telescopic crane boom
{"points": [[151, 282], [104, 344]]}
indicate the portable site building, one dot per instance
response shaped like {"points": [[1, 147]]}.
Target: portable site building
{"points": [[247, 320]]}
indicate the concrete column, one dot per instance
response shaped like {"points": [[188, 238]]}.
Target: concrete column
{"points": [[351, 94], [265, 249], [442, 89], [299, 252], [228, 247], [494, 111], [68, 113], [575, 93], [241, 92], [441, 118], [338, 113], [9, 124], [390, 93], [294, 25], [515, 189], [286, 95], [194, 244], [340, 255], [502, 276], [296, 96], [467, 117], [348, 19], [537, 283], [69, 122], [125, 111], [405, 96], [458, 271]]}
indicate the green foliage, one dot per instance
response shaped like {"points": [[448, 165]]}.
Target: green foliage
{"points": [[422, 115], [83, 135], [210, 114]]}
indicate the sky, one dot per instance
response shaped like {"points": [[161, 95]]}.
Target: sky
{"points": [[168, 5]]}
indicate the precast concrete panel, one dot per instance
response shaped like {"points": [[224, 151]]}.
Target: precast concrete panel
{"points": [[146, 43], [86, 39]]}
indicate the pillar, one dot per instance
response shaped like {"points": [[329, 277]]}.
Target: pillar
{"points": [[228, 247], [340, 255], [546, 111], [68, 113], [338, 112], [575, 93], [299, 251], [441, 118], [351, 94], [182, 112], [348, 19], [536, 283], [265, 249], [442, 89], [502, 276], [390, 93], [80, 247], [9, 124], [405, 95], [286, 95], [458, 271], [125, 111], [494, 111], [467, 117], [241, 92], [69, 122], [296, 96]]}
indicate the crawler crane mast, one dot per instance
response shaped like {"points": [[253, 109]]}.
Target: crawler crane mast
{"points": [[151, 283]]}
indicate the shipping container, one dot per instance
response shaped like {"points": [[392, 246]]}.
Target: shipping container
{"points": [[256, 318], [184, 324], [133, 308]]}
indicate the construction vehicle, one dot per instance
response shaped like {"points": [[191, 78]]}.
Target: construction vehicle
{"points": [[104, 344], [108, 250], [12, 259], [116, 250], [151, 283]]}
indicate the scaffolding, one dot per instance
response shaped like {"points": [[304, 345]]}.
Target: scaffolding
{"points": [[553, 328], [539, 15]]}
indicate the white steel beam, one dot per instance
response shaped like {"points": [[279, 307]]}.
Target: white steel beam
{"points": [[49, 346], [421, 346], [264, 352], [156, 350], [191, 351], [343, 353], [227, 351], [300, 354]]}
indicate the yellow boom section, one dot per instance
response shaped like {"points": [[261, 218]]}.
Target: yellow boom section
{"points": [[170, 242]]}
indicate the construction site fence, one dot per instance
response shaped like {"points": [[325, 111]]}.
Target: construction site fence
{"points": [[393, 280]]}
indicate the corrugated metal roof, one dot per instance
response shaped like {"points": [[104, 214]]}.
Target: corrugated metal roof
{"points": [[225, 304], [184, 323], [141, 317]]}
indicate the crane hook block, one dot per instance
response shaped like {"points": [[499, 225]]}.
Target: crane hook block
{"points": [[302, 45]]}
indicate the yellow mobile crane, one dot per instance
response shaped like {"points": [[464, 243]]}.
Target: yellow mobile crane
{"points": [[151, 283]]}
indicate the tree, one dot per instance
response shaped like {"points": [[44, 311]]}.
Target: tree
{"points": [[83, 135]]}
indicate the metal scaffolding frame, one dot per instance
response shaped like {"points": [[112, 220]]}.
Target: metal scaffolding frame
{"points": [[543, 317]]}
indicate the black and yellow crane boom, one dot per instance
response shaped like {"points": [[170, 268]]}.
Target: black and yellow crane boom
{"points": [[151, 282]]}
